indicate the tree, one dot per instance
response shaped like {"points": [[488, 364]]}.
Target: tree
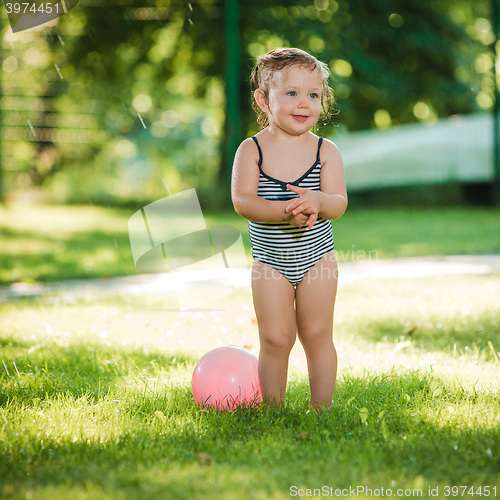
{"points": [[163, 64]]}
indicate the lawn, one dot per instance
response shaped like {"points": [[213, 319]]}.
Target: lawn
{"points": [[96, 402], [50, 243], [95, 392]]}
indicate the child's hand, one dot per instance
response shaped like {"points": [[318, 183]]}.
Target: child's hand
{"points": [[307, 203], [307, 200], [308, 217]]}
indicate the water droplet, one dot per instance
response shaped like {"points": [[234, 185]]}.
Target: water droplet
{"points": [[31, 127], [58, 71], [142, 121]]}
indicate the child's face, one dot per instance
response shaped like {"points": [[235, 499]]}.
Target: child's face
{"points": [[294, 102]]}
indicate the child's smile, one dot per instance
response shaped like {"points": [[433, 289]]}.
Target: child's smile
{"points": [[294, 102]]}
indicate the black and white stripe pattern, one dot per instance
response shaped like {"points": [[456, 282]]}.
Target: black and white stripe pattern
{"points": [[289, 249]]}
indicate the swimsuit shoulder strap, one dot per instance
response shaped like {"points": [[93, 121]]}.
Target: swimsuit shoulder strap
{"points": [[260, 152], [319, 147]]}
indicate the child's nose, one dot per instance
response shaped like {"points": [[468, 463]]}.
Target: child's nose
{"points": [[303, 102]]}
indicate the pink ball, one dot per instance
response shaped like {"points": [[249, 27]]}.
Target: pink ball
{"points": [[225, 378]]}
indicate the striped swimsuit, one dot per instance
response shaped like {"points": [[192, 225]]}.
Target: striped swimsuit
{"points": [[290, 250]]}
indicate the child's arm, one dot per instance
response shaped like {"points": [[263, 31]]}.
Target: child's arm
{"points": [[331, 201], [244, 185]]}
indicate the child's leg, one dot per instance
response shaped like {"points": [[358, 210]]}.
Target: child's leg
{"points": [[273, 297], [315, 299]]}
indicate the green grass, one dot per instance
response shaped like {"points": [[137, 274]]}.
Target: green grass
{"points": [[416, 232], [95, 390], [96, 402], [50, 243]]}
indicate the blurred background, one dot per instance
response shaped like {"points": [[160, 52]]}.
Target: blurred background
{"points": [[105, 102]]}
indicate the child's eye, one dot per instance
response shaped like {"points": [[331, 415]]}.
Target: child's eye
{"points": [[313, 95], [292, 92]]}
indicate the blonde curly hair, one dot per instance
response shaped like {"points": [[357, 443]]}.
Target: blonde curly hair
{"points": [[278, 59]]}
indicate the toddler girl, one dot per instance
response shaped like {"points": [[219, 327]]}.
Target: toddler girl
{"points": [[289, 183]]}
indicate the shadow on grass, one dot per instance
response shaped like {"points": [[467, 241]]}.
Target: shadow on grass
{"points": [[43, 371], [76, 256], [471, 334], [379, 430]]}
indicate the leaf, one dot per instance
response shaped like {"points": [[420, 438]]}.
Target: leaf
{"points": [[492, 349], [435, 389], [384, 430], [204, 459], [363, 415], [412, 330]]}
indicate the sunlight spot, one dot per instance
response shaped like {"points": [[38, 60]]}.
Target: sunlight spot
{"points": [[142, 103]]}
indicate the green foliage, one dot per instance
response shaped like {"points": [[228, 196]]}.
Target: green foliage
{"points": [[383, 55], [391, 63]]}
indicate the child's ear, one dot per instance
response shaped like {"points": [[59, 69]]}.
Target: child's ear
{"points": [[260, 99]]}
